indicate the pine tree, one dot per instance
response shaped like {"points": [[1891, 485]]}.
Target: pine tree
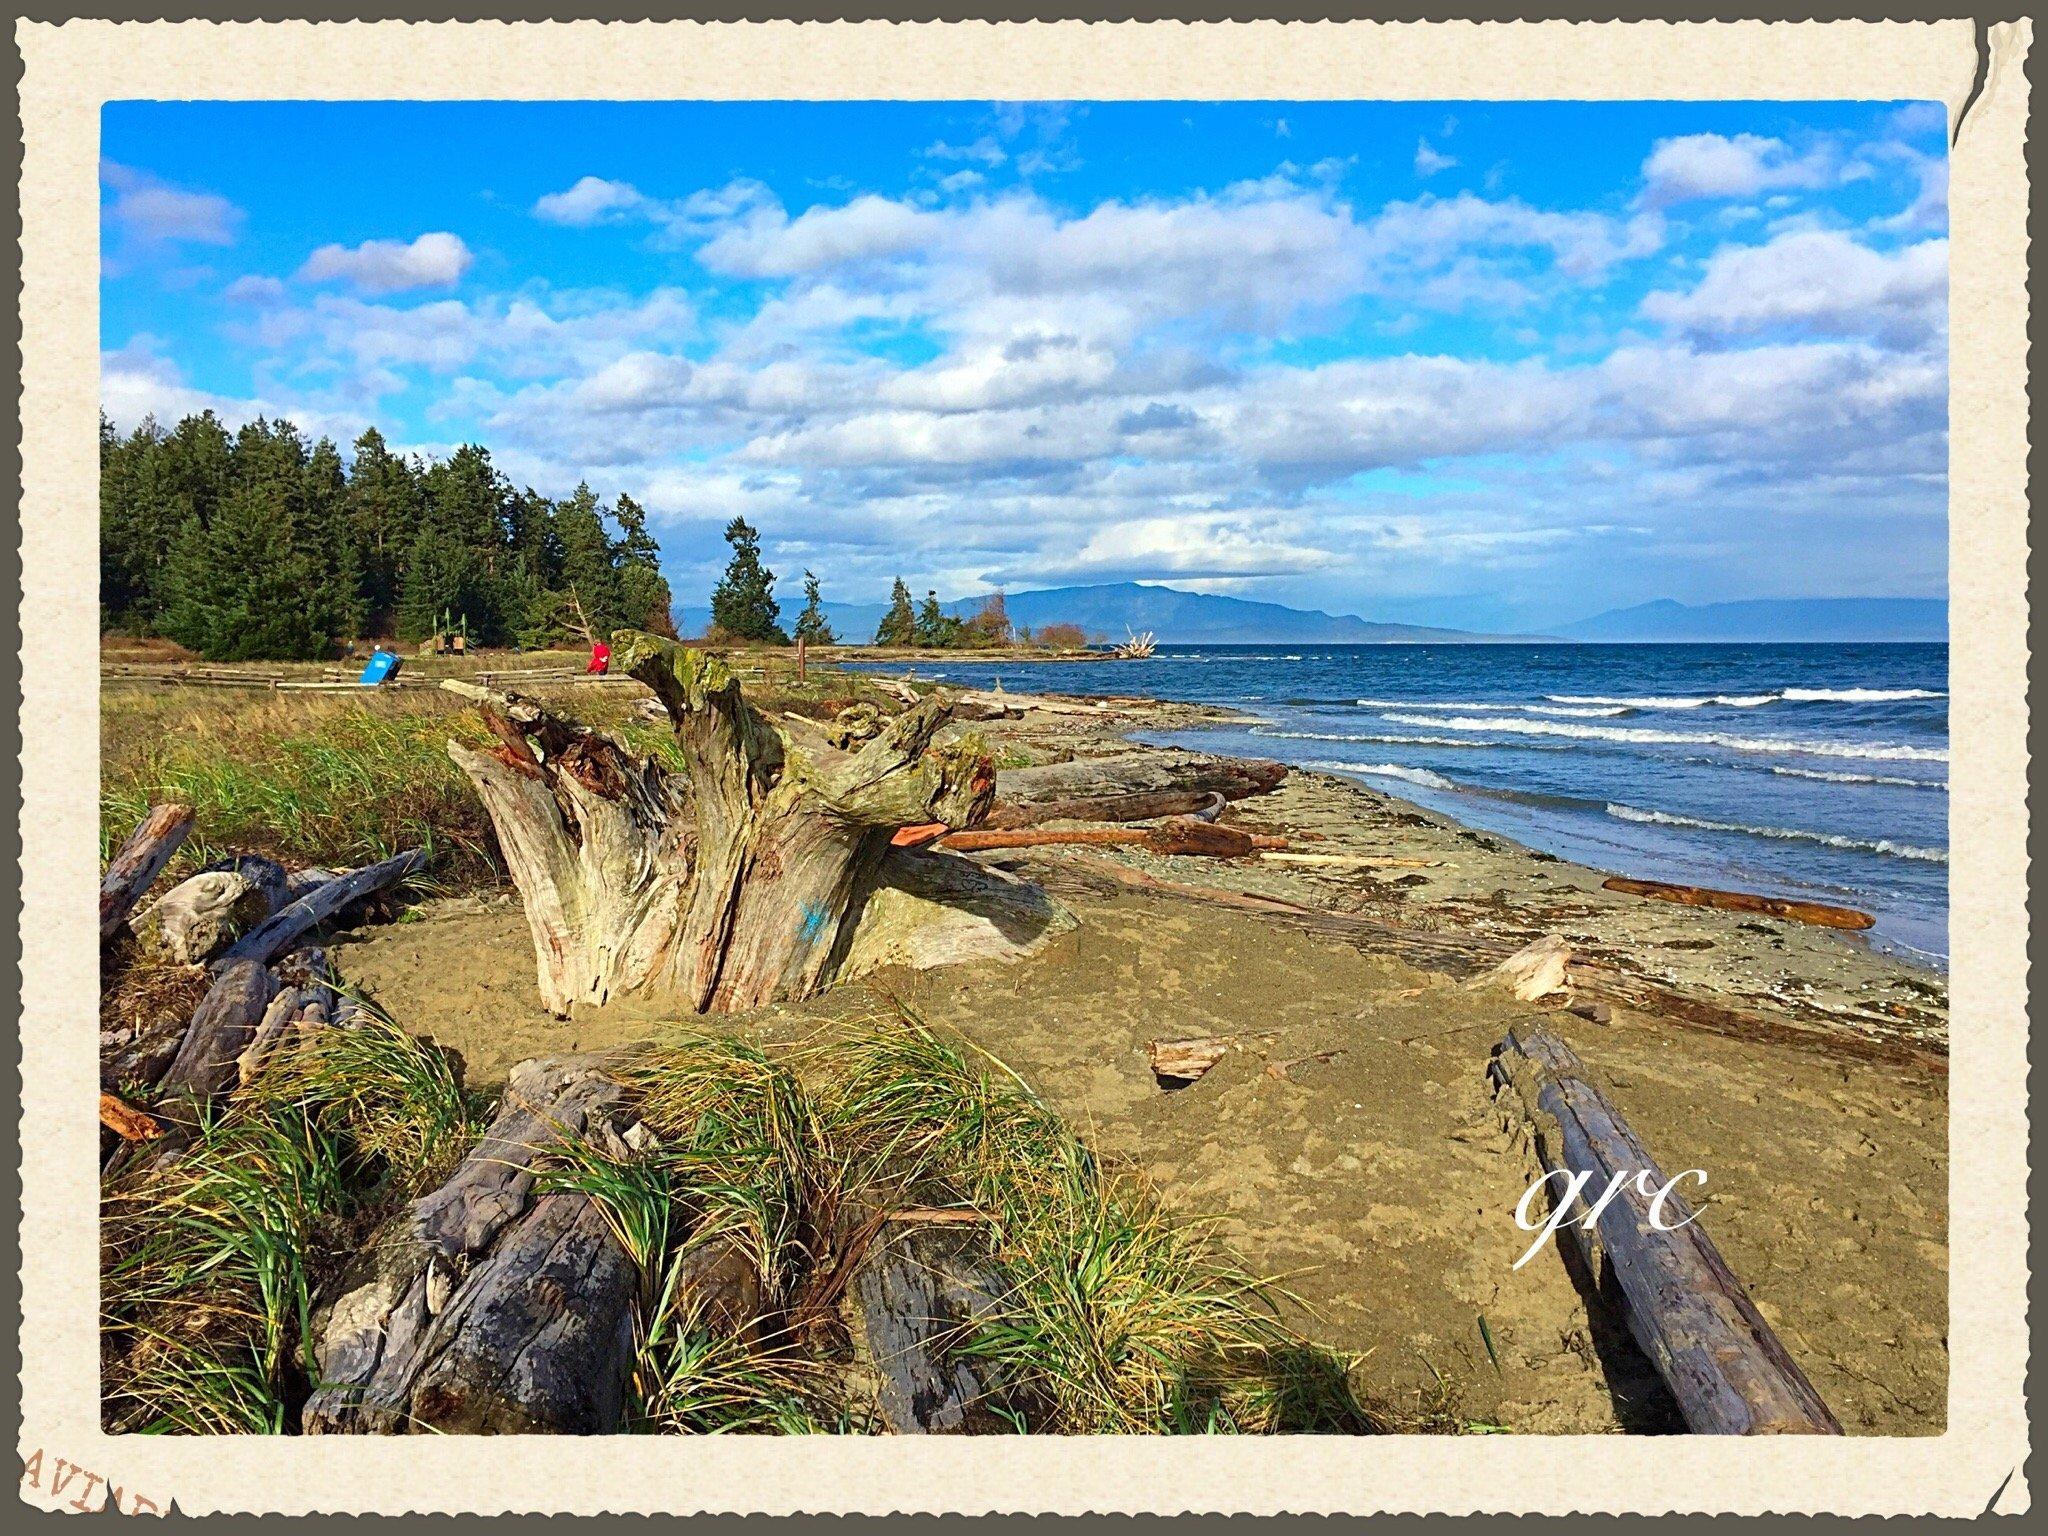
{"points": [[383, 509], [936, 628], [645, 591], [810, 624], [236, 592], [899, 624], [743, 604]]}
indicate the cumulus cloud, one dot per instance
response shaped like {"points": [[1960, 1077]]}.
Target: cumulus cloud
{"points": [[1818, 280], [1713, 165], [592, 200], [1168, 388], [391, 266], [150, 211]]}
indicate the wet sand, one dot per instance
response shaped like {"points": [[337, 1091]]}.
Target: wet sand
{"points": [[1379, 1184]]}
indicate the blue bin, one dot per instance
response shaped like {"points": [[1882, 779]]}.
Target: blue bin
{"points": [[382, 665]]}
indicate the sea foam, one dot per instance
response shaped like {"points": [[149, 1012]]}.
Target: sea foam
{"points": [[1639, 735], [1793, 834]]}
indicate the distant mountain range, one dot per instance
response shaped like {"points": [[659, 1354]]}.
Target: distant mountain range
{"points": [[1203, 618], [1173, 616], [1839, 619]]}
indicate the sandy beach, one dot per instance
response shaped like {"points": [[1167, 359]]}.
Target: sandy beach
{"points": [[1348, 1143]]}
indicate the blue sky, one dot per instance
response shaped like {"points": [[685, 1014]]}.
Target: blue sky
{"points": [[1487, 364]]}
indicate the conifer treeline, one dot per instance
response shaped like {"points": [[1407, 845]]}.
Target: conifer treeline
{"points": [[258, 545]]}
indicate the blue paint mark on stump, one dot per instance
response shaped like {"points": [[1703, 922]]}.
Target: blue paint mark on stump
{"points": [[814, 919]]}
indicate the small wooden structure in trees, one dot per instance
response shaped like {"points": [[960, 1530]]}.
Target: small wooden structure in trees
{"points": [[740, 879]]}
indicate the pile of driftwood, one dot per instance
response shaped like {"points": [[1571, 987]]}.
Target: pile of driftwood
{"points": [[248, 922]]}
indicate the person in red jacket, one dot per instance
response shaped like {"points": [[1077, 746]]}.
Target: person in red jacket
{"points": [[600, 658]]}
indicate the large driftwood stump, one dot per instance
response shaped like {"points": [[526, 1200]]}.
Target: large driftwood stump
{"points": [[732, 883]]}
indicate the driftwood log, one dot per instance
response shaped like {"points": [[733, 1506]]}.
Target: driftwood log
{"points": [[201, 916], [1464, 954], [1726, 1369], [1820, 913], [140, 860], [1181, 836], [1535, 970], [324, 900], [916, 1297], [1133, 786], [492, 1307], [724, 886]]}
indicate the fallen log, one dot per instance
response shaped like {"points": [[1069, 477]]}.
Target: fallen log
{"points": [[1062, 789], [916, 1297], [1726, 1369], [1198, 839], [158, 836], [494, 1308], [222, 1027], [1140, 805], [1820, 913], [1351, 861], [268, 940], [726, 885], [202, 915]]}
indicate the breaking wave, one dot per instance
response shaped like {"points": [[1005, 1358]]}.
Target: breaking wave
{"points": [[1792, 834], [1638, 735], [1420, 776], [1858, 778], [1858, 695]]}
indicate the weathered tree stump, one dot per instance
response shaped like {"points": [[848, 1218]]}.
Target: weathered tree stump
{"points": [[724, 886]]}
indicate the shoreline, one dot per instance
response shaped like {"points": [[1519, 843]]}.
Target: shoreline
{"points": [[1487, 882], [1348, 1140]]}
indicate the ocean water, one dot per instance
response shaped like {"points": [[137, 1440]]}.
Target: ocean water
{"points": [[1817, 771]]}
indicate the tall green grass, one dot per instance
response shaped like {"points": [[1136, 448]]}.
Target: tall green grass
{"points": [[211, 1266], [334, 787]]}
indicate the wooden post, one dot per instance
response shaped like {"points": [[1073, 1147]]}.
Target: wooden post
{"points": [[799, 658], [149, 848], [1726, 1369]]}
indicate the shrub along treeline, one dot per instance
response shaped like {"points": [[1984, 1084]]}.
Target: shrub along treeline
{"points": [[256, 545]]}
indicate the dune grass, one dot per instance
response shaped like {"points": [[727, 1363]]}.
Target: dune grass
{"points": [[211, 1267], [1114, 1318]]}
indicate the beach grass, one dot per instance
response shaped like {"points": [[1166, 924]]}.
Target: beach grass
{"points": [[1113, 1316], [211, 1266]]}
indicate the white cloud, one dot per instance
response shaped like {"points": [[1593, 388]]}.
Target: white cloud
{"points": [[1713, 165], [435, 260], [592, 200], [1818, 280], [150, 211], [255, 288], [1429, 161], [1186, 546]]}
